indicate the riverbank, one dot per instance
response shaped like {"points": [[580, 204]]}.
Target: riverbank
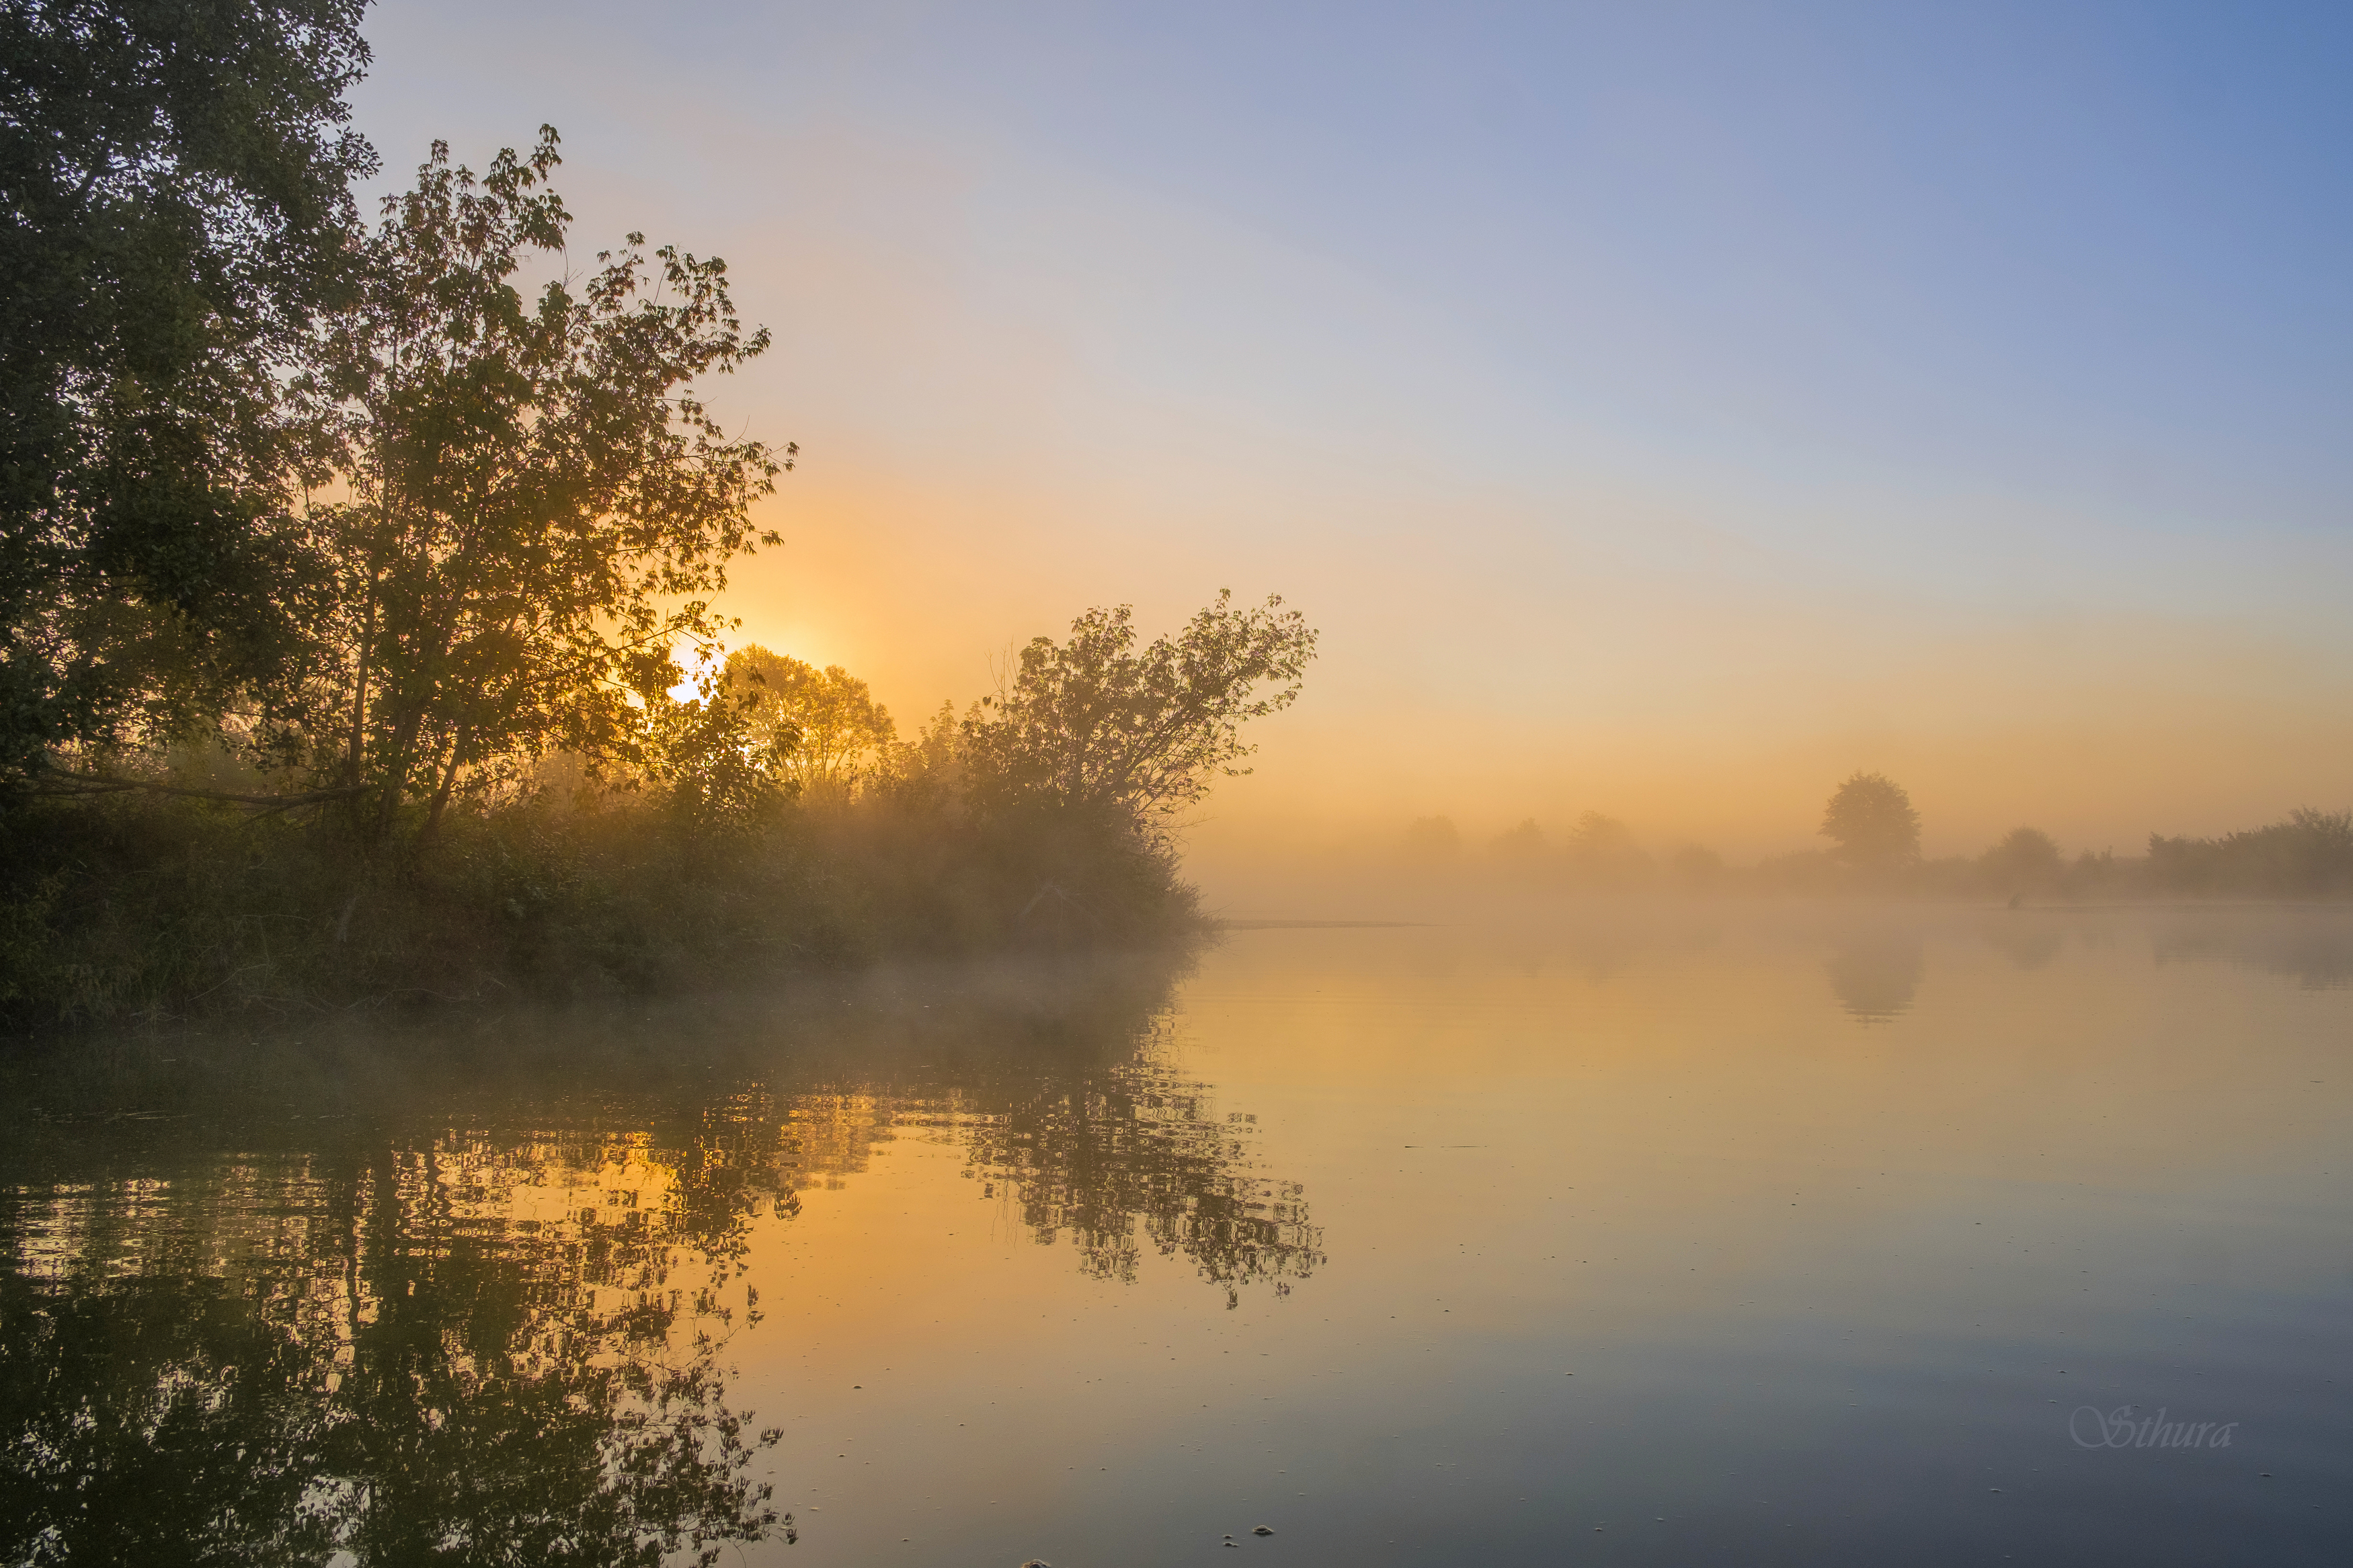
{"points": [[146, 909]]}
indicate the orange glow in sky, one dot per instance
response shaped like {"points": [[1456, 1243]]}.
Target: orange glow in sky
{"points": [[1664, 425]]}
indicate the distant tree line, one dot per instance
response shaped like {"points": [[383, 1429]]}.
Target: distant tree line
{"points": [[1874, 834]]}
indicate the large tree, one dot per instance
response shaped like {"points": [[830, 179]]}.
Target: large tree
{"points": [[540, 506], [177, 210]]}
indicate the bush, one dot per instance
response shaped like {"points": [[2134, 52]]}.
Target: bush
{"points": [[139, 907], [2310, 855]]}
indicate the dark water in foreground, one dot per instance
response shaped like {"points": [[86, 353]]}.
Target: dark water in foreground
{"points": [[1648, 1238]]}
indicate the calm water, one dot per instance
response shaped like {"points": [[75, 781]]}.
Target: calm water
{"points": [[1643, 1238]]}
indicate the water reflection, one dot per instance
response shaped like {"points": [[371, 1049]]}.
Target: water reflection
{"points": [[470, 1294], [1875, 974], [1625, 1208], [366, 1349], [2312, 945], [2029, 940], [1120, 1162]]}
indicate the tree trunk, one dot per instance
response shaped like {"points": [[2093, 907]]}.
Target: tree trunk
{"points": [[441, 790]]}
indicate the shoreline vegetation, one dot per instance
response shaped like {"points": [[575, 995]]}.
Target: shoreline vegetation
{"points": [[781, 826], [1874, 852], [362, 637]]}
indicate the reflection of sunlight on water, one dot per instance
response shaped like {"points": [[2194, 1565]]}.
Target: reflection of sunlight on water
{"points": [[1783, 1256], [465, 1265]]}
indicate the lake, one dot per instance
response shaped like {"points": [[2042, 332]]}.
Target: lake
{"points": [[1622, 1236]]}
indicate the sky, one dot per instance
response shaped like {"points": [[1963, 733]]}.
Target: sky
{"points": [[1663, 410]]}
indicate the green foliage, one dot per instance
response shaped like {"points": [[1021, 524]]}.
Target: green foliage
{"points": [[721, 765], [517, 513], [540, 506], [824, 724], [177, 176], [1871, 820], [697, 867], [141, 907], [1094, 725]]}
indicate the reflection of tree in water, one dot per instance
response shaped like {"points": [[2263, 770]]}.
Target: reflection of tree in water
{"points": [[2312, 946], [285, 1310], [1875, 974], [1103, 1157], [1058, 1081], [367, 1353], [2027, 941]]}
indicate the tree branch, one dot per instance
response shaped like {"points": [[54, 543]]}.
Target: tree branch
{"points": [[56, 782]]}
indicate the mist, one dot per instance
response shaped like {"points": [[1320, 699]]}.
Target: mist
{"points": [[915, 784]]}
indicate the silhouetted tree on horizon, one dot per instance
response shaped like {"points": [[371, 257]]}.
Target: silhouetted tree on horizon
{"points": [[1433, 838], [1870, 820], [2026, 860]]}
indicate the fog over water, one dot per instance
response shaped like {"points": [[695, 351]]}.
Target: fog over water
{"points": [[1051, 785], [1663, 1234]]}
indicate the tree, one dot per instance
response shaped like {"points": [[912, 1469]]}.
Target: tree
{"points": [[1433, 838], [715, 763], [2026, 860], [1602, 849], [1697, 867], [1524, 843], [178, 212], [1093, 725], [2309, 854], [1871, 820], [824, 723], [539, 505]]}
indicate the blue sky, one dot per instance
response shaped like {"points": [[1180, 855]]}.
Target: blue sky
{"points": [[1641, 397]]}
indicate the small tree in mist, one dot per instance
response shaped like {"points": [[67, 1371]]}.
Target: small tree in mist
{"points": [[1098, 726], [1871, 822], [1601, 850], [2027, 860], [1694, 866], [824, 722], [1522, 843], [1432, 839]]}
